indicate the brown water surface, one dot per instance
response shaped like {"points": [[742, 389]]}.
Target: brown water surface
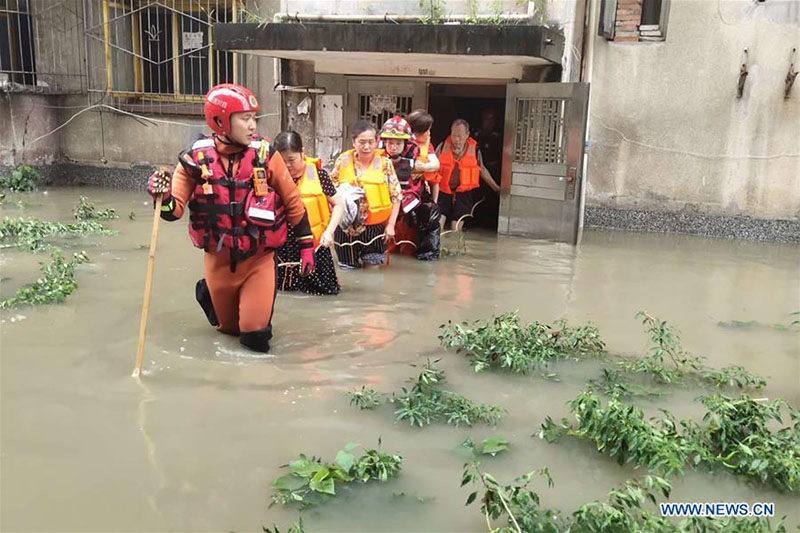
{"points": [[195, 444]]}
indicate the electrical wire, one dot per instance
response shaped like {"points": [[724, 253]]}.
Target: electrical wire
{"points": [[686, 152]]}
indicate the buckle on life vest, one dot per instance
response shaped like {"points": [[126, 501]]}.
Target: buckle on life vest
{"points": [[204, 162]]}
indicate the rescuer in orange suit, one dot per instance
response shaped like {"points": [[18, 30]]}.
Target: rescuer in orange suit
{"points": [[240, 196]]}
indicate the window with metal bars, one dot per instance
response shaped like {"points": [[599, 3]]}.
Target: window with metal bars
{"points": [[540, 138], [162, 50], [17, 52], [378, 108]]}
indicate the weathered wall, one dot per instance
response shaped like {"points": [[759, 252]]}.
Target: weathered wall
{"points": [[101, 137], [667, 130], [484, 8], [25, 117]]}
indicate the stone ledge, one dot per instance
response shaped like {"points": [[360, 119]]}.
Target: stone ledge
{"points": [[733, 227]]}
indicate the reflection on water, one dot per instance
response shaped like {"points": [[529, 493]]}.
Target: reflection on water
{"points": [[195, 448]]}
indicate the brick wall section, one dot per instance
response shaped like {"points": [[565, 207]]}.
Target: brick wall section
{"points": [[629, 16]]}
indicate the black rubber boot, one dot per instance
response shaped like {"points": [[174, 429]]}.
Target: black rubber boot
{"points": [[204, 299], [258, 340]]}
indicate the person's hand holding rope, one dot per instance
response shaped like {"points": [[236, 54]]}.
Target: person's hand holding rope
{"points": [[389, 233]]}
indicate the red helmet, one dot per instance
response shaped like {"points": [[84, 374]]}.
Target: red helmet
{"points": [[396, 128], [224, 100]]}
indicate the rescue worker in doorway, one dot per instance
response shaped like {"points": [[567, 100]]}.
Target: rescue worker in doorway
{"points": [[317, 192], [366, 180], [460, 167], [419, 219], [240, 195]]}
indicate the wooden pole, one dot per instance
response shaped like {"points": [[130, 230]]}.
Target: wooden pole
{"points": [[148, 284]]}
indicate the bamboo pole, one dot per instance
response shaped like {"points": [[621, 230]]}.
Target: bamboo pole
{"points": [[148, 285]]}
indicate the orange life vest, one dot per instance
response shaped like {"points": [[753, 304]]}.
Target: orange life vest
{"points": [[469, 171], [314, 199], [424, 150], [373, 181]]}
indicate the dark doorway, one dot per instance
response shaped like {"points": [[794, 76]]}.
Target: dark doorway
{"points": [[483, 106]]}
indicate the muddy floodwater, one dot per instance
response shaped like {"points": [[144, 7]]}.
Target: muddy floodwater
{"points": [[195, 445]]}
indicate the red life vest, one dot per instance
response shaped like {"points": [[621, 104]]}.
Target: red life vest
{"points": [[224, 211], [469, 171]]}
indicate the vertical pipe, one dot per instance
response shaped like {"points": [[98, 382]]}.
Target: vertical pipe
{"points": [[235, 56], [210, 45], [176, 71], [136, 43], [109, 78]]}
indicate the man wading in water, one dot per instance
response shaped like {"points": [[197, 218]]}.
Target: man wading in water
{"points": [[239, 195]]}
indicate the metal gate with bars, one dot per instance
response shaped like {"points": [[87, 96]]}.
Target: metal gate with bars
{"points": [[543, 160]]}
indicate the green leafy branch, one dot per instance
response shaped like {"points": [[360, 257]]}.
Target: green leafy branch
{"points": [[32, 233], [311, 479], [56, 283], [623, 509], [425, 402], [735, 434], [86, 210], [22, 179], [503, 342]]}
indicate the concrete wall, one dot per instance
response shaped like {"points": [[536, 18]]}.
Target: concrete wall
{"points": [[667, 130], [24, 117], [485, 8]]}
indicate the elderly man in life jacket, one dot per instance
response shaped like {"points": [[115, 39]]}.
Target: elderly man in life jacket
{"points": [[460, 167]]}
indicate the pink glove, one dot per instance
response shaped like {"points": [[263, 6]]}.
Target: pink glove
{"points": [[306, 261], [159, 184]]}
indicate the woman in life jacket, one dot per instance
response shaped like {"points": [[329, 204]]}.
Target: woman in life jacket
{"points": [[318, 194], [419, 220], [240, 196], [367, 182]]}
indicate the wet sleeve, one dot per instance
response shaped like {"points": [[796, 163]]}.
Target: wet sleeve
{"points": [[431, 166], [395, 191], [327, 185], [183, 186], [480, 160], [335, 171], [280, 180]]}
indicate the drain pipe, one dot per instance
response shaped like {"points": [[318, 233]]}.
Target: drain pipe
{"points": [[592, 19], [397, 19]]}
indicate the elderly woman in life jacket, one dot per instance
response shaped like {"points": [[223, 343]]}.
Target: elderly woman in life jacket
{"points": [[460, 167], [318, 194], [367, 182]]}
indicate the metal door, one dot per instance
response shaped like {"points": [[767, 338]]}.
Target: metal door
{"points": [[377, 101], [543, 148]]}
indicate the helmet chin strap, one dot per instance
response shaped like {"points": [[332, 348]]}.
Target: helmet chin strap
{"points": [[225, 140]]}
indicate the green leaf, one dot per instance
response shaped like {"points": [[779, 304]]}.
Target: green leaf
{"points": [[345, 460], [321, 482], [304, 467], [350, 446], [471, 498], [288, 482], [494, 445]]}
